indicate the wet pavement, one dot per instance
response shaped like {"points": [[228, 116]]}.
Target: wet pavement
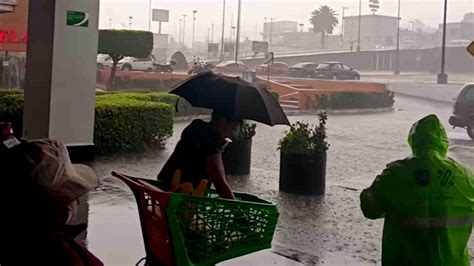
{"points": [[328, 230]]}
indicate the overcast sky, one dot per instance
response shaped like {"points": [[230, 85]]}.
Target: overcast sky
{"points": [[254, 11]]}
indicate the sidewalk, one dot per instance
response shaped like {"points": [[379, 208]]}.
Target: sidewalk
{"points": [[435, 92]]}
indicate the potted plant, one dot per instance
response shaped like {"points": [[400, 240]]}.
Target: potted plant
{"points": [[303, 158], [237, 156]]}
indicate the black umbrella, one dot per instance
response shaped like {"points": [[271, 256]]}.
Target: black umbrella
{"points": [[233, 96]]}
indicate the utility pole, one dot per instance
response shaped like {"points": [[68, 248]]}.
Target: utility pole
{"points": [[360, 20], [194, 22], [271, 30], [130, 22], [184, 30], [212, 33], [223, 31], [231, 27], [397, 56], [237, 39], [443, 77], [264, 23], [342, 25], [110, 23], [149, 15], [180, 30]]}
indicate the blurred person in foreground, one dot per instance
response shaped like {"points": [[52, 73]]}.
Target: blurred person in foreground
{"points": [[427, 201], [39, 193], [198, 154]]}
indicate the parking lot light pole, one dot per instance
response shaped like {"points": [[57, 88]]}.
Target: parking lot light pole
{"points": [[360, 20], [443, 77], [221, 57], [397, 56], [194, 22], [237, 38]]}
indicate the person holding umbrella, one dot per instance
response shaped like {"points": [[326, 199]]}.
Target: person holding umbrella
{"points": [[197, 155]]}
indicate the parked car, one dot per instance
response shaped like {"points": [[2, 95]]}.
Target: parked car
{"points": [[230, 67], [305, 70], [104, 61], [136, 64], [276, 69], [463, 111], [336, 70]]}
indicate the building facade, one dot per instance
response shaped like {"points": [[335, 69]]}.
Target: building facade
{"points": [[375, 31]]}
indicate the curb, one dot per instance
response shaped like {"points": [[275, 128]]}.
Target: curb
{"points": [[422, 97], [342, 112], [190, 117]]}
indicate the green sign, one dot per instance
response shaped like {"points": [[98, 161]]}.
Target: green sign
{"points": [[77, 19]]}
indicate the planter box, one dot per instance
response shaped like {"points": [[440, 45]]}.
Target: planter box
{"points": [[237, 157], [303, 174]]}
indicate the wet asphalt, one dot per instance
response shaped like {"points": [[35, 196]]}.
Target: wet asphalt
{"points": [[328, 230]]}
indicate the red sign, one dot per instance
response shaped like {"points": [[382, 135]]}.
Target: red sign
{"points": [[12, 36], [14, 28]]}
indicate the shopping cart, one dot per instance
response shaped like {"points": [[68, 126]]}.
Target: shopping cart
{"points": [[181, 229]]}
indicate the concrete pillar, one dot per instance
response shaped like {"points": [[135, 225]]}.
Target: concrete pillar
{"points": [[61, 73]]}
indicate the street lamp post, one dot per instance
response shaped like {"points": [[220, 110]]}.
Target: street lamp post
{"points": [[212, 33], [130, 22], [397, 56], [443, 77], [223, 31], [271, 30], [180, 30], [184, 30], [360, 21], [110, 23], [301, 27], [342, 25], [194, 22], [263, 34], [237, 38], [149, 15]]}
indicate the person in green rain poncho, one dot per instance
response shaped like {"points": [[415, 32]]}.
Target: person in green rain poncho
{"points": [[427, 201]]}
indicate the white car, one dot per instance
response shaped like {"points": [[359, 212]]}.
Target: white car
{"points": [[104, 61], [136, 64]]}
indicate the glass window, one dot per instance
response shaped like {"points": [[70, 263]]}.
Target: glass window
{"points": [[346, 67], [335, 66], [323, 66], [469, 94]]}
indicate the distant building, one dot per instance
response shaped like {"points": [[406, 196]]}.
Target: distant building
{"points": [[463, 30], [277, 28], [375, 30]]}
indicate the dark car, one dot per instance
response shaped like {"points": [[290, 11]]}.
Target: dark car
{"points": [[305, 70], [336, 71], [463, 111]]}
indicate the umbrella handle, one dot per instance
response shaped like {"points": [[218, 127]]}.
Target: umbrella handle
{"points": [[176, 105]]}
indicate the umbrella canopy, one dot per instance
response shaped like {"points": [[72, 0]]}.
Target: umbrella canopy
{"points": [[232, 96]]}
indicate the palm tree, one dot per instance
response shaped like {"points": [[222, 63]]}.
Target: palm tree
{"points": [[323, 20]]}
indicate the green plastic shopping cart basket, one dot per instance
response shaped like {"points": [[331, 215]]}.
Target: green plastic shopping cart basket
{"points": [[180, 229]]}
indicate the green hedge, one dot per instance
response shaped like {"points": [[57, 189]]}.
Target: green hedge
{"points": [[356, 100], [122, 124]]}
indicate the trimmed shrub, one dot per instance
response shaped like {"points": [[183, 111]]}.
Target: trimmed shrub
{"points": [[356, 100], [123, 124]]}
